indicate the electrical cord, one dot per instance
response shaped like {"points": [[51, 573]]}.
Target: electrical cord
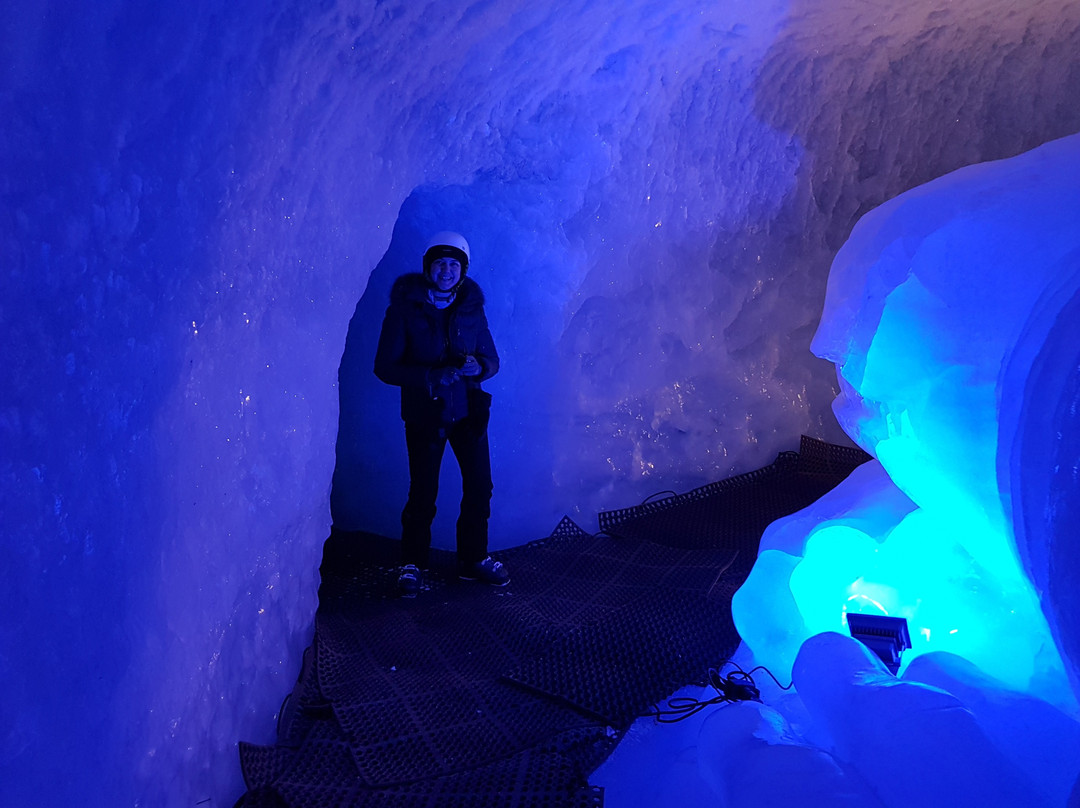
{"points": [[749, 673], [652, 497], [735, 687]]}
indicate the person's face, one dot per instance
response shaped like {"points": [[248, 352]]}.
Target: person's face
{"points": [[445, 273]]}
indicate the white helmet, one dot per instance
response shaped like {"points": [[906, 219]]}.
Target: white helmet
{"points": [[447, 245]]}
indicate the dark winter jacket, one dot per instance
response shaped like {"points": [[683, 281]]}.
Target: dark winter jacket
{"points": [[418, 338]]}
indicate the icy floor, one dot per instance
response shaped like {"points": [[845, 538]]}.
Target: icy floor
{"points": [[866, 739]]}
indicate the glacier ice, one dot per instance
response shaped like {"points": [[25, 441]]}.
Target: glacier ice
{"points": [[195, 195], [927, 302], [976, 266], [750, 755], [915, 744], [1041, 739]]}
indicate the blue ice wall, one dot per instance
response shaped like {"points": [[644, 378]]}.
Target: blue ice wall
{"points": [[951, 316], [163, 478], [589, 209], [938, 316], [195, 194]]}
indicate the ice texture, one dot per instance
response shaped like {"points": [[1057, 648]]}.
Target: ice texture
{"points": [[1043, 740], [851, 733], [933, 309], [196, 195], [750, 755], [655, 259], [936, 306], [915, 744]]}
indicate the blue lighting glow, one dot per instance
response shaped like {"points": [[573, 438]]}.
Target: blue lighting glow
{"points": [[926, 304], [194, 196]]}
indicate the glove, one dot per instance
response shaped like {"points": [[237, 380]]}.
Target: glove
{"points": [[471, 367]]}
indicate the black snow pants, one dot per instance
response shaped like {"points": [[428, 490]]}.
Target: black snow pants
{"points": [[426, 445]]}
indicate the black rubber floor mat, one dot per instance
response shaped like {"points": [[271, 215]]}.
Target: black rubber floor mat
{"points": [[469, 695], [614, 670], [537, 778]]}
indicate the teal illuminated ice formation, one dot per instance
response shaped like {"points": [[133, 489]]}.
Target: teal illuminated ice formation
{"points": [[938, 313]]}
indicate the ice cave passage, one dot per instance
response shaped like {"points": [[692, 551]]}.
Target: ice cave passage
{"points": [[196, 195]]}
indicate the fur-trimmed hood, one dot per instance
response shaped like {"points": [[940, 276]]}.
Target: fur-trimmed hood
{"points": [[413, 288]]}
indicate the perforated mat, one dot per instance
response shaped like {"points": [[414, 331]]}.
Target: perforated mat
{"points": [[468, 695]]}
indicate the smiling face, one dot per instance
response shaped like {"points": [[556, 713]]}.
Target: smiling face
{"points": [[445, 273]]}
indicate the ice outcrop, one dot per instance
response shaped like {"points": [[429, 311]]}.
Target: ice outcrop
{"points": [[927, 305], [944, 315]]}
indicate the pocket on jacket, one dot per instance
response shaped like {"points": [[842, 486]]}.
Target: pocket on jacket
{"points": [[479, 409]]}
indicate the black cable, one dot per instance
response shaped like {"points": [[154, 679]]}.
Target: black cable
{"points": [[683, 707], [763, 668], [649, 498], [750, 674], [735, 687]]}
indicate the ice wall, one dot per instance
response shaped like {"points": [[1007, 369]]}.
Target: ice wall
{"points": [[951, 316], [168, 413], [655, 257], [194, 197], [937, 308]]}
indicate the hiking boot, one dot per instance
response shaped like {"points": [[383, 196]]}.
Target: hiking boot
{"points": [[408, 581], [489, 571]]}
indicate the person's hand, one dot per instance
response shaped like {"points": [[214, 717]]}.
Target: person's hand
{"points": [[471, 367], [443, 376]]}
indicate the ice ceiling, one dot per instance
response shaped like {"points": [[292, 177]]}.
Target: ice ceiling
{"points": [[196, 195]]}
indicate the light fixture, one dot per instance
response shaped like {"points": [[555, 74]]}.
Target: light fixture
{"points": [[885, 636]]}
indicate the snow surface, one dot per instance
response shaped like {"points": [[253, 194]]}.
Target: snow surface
{"points": [[195, 195]]}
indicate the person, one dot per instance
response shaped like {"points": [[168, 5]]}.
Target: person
{"points": [[436, 346]]}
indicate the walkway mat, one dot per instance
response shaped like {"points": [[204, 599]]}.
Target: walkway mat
{"points": [[469, 695]]}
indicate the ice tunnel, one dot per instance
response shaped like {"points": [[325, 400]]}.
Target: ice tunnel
{"points": [[202, 202]]}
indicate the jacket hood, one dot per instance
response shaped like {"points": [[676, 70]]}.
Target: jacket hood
{"points": [[413, 287]]}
